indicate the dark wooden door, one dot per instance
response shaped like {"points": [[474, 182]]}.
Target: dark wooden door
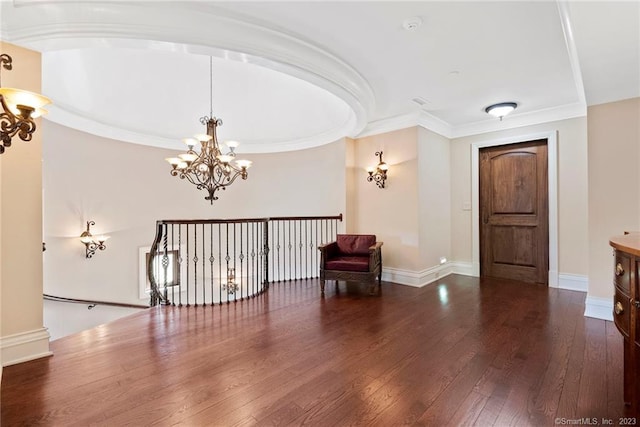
{"points": [[514, 219]]}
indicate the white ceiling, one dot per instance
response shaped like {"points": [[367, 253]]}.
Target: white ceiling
{"points": [[288, 75]]}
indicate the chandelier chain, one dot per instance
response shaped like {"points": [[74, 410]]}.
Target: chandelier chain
{"points": [[211, 86]]}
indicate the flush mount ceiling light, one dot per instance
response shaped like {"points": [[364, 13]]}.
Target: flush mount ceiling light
{"points": [[502, 109]]}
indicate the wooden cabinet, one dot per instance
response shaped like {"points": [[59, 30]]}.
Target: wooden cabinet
{"points": [[626, 312]]}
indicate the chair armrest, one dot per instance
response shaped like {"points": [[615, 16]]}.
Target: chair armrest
{"points": [[375, 255], [327, 251], [375, 247], [327, 246]]}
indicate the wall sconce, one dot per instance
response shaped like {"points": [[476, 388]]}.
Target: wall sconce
{"points": [[19, 109], [379, 173], [231, 286], [92, 243]]}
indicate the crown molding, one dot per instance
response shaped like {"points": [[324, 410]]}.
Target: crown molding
{"points": [[434, 124], [67, 116], [389, 124], [513, 121], [415, 118], [572, 51]]}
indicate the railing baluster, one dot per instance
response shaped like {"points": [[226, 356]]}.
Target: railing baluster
{"points": [[188, 261], [306, 257], [220, 263], [180, 263], [279, 275], [211, 259], [235, 295], [289, 246], [195, 264], [204, 274]]}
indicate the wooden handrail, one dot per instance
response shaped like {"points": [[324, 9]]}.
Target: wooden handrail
{"points": [[245, 220], [301, 218], [91, 302]]}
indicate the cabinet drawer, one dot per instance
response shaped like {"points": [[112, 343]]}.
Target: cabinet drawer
{"points": [[622, 271], [621, 312]]}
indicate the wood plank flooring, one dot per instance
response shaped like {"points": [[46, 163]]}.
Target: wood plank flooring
{"points": [[462, 351]]}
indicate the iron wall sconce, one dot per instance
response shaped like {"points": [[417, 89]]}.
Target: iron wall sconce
{"points": [[379, 173], [19, 109], [92, 243]]}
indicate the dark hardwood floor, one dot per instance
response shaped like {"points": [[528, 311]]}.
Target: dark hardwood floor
{"points": [[462, 351]]}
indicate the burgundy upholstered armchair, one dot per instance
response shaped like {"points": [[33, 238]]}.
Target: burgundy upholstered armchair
{"points": [[352, 257]]}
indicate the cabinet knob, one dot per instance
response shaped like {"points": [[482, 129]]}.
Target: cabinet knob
{"points": [[637, 303], [619, 269], [619, 309]]}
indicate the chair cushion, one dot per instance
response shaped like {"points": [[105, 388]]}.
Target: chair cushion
{"points": [[348, 263], [355, 244]]}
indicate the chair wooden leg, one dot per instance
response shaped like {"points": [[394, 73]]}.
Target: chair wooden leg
{"points": [[322, 287], [372, 289]]}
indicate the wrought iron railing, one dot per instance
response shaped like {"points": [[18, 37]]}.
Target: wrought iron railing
{"points": [[202, 262]]}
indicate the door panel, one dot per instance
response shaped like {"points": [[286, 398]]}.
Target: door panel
{"points": [[514, 246], [514, 236], [516, 195]]}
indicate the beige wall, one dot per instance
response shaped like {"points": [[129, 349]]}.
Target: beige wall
{"points": [[125, 188], [614, 184], [390, 213], [572, 191], [434, 180], [21, 221]]}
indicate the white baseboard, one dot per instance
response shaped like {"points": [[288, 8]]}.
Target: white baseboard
{"points": [[572, 282], [24, 346], [463, 268], [416, 279], [599, 308]]}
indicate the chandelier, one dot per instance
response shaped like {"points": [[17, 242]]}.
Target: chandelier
{"points": [[209, 169], [19, 108]]}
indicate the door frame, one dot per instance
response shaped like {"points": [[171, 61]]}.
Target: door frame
{"points": [[552, 171]]}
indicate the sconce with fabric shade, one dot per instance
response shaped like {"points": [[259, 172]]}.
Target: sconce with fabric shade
{"points": [[19, 109], [92, 243], [378, 174]]}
